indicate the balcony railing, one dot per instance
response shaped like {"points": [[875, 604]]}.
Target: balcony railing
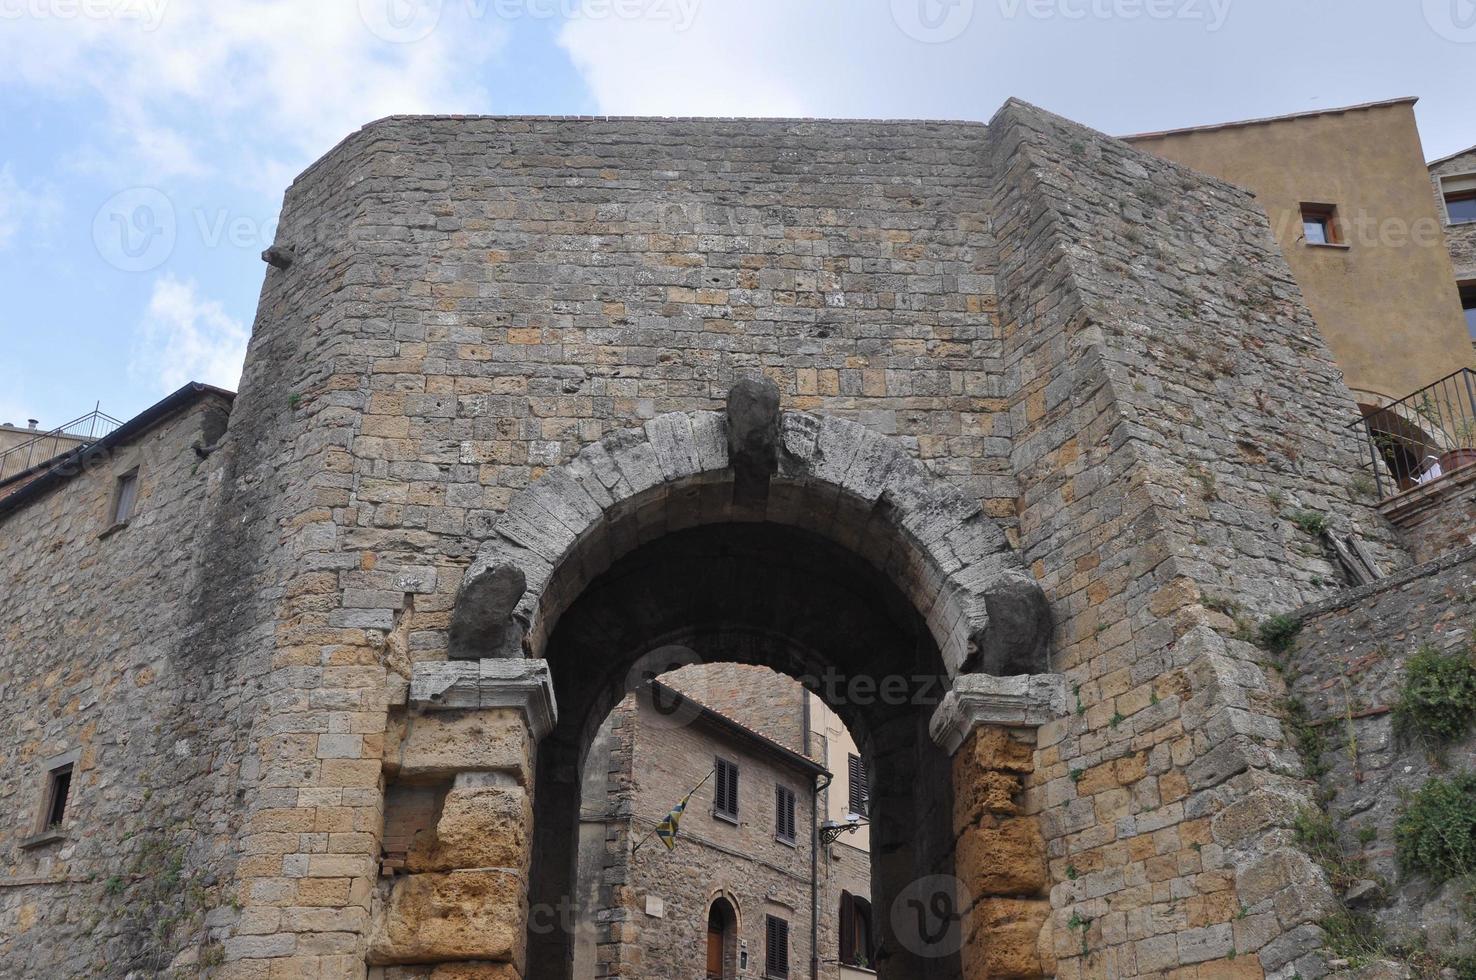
{"points": [[1423, 436], [47, 445]]}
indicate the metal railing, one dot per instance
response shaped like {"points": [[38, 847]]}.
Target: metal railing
{"points": [[1421, 437], [81, 431]]}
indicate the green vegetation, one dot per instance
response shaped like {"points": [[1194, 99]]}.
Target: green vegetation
{"points": [[1435, 835], [1309, 522], [1438, 699], [1309, 739], [1279, 633]]}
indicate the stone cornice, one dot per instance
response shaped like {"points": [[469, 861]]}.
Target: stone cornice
{"points": [[458, 685], [1027, 700]]}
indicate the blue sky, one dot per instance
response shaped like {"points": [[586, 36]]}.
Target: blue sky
{"points": [[145, 144]]}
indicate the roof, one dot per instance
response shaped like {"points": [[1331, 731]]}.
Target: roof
{"points": [[743, 732], [39, 480], [1450, 157], [1406, 100]]}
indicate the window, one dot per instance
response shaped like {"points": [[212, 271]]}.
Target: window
{"points": [[776, 947], [124, 497], [1460, 206], [856, 948], [1320, 224], [858, 786], [58, 786], [1468, 303], [784, 814], [725, 796]]}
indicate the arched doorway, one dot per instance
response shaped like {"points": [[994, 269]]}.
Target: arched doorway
{"points": [[808, 545], [780, 598], [722, 941]]}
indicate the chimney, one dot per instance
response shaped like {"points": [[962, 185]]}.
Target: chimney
{"points": [[32, 423]]}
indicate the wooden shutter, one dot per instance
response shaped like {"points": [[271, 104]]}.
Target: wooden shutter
{"points": [[725, 795], [847, 929], [784, 813], [776, 947], [860, 792]]}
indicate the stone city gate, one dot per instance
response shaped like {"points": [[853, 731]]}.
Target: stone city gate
{"points": [[806, 543]]}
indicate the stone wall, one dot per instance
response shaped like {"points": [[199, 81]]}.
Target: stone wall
{"points": [[93, 636], [755, 697], [1461, 238], [1346, 673], [1437, 518], [1162, 447], [473, 300]]}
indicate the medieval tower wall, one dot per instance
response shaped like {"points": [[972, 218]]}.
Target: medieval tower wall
{"points": [[1104, 350]]}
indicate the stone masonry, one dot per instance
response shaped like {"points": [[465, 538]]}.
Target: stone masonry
{"points": [[1047, 409]]}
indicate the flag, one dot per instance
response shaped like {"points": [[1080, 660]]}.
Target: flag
{"points": [[667, 829]]}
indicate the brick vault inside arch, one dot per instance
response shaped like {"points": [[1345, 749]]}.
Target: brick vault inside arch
{"points": [[803, 543]]}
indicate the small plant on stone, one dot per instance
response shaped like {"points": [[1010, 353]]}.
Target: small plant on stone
{"points": [[293, 400], [1316, 835], [1072, 873], [1310, 522], [1438, 699], [1362, 485], [1076, 775], [1435, 834], [1354, 937], [1278, 634]]}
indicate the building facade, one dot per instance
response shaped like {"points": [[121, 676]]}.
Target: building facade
{"points": [[1006, 436], [1454, 178], [738, 894], [1347, 192]]}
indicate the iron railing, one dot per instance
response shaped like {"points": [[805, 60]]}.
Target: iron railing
{"points": [[48, 445], [1423, 436]]}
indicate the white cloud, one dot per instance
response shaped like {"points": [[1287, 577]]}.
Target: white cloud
{"points": [[186, 338], [193, 87], [34, 207]]}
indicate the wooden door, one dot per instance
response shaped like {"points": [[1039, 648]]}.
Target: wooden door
{"points": [[714, 951]]}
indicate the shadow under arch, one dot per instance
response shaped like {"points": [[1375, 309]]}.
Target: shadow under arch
{"points": [[785, 599]]}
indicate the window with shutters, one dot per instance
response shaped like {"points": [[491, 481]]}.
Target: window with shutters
{"points": [[784, 814], [776, 947], [856, 947], [860, 790], [125, 495], [725, 794]]}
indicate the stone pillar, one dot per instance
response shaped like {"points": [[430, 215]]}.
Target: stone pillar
{"points": [[463, 902], [988, 725]]}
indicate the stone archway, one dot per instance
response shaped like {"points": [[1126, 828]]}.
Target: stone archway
{"points": [[785, 503], [825, 474]]}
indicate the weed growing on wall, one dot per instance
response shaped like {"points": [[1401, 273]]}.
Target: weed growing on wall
{"points": [[1435, 835], [1278, 634], [1438, 699]]}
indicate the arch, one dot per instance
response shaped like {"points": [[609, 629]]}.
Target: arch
{"points": [[724, 927], [828, 475]]}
